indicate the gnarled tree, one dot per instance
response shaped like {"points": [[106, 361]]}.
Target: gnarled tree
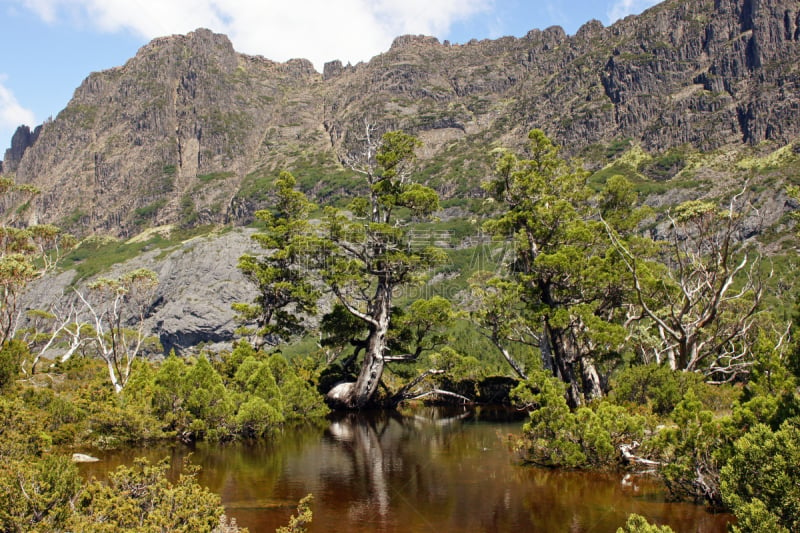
{"points": [[362, 255], [26, 253], [700, 290]]}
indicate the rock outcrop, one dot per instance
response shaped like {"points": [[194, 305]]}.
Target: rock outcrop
{"points": [[198, 283], [22, 139]]}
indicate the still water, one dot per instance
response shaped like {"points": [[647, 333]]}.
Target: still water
{"points": [[425, 470]]}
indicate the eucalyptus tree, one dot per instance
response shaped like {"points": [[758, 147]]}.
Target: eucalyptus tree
{"points": [[116, 310], [569, 281], [362, 256], [699, 288], [27, 252]]}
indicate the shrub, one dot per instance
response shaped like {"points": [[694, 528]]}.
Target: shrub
{"points": [[656, 386], [694, 450], [759, 482], [588, 438], [257, 417], [36, 494], [141, 498], [11, 355], [639, 524]]}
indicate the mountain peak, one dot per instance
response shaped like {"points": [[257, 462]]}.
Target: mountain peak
{"points": [[190, 131]]}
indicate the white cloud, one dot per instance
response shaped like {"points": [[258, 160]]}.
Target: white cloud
{"points": [[623, 8], [319, 30], [12, 114]]}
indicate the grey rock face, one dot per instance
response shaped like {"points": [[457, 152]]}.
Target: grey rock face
{"points": [[198, 283]]}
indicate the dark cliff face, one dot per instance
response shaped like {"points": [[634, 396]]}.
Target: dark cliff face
{"points": [[22, 139], [190, 131]]}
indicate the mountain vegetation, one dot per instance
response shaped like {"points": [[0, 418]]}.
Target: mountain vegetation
{"points": [[599, 229]]}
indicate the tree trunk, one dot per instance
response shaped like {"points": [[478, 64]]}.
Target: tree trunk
{"points": [[371, 368], [359, 394], [546, 349], [564, 363], [591, 379]]}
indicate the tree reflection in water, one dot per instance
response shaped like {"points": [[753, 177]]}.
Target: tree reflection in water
{"points": [[378, 446]]}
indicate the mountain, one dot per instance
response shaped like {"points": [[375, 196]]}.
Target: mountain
{"points": [[190, 131]]}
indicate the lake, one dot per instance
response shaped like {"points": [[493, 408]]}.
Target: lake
{"points": [[420, 470]]}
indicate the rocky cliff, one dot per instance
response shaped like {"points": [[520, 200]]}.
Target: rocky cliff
{"points": [[198, 283], [189, 131]]}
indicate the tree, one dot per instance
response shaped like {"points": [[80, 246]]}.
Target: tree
{"points": [[370, 255], [47, 329], [700, 290], [285, 291], [26, 253], [564, 270], [363, 256], [117, 310]]}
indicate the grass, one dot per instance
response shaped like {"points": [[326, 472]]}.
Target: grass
{"points": [[214, 176], [97, 255]]}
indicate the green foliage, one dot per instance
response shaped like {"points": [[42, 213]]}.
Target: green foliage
{"points": [[456, 366], [422, 326], [298, 523], [167, 395], [188, 216], [95, 255], [251, 395], [693, 451], [366, 251], [36, 493], [141, 498], [769, 397], [655, 386], [257, 417], [25, 254], [215, 176], [666, 165], [143, 215], [206, 400], [755, 517], [297, 396], [759, 482], [280, 276], [12, 353], [616, 147], [639, 524], [565, 270], [587, 438]]}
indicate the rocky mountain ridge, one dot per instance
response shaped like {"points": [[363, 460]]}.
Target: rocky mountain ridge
{"points": [[190, 131]]}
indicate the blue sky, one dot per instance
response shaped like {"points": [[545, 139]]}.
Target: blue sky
{"points": [[50, 46]]}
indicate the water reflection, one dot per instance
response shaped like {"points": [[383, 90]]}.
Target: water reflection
{"points": [[424, 470]]}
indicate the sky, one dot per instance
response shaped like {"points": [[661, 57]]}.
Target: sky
{"points": [[50, 46]]}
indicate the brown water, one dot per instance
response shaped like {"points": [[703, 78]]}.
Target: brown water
{"points": [[425, 471]]}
